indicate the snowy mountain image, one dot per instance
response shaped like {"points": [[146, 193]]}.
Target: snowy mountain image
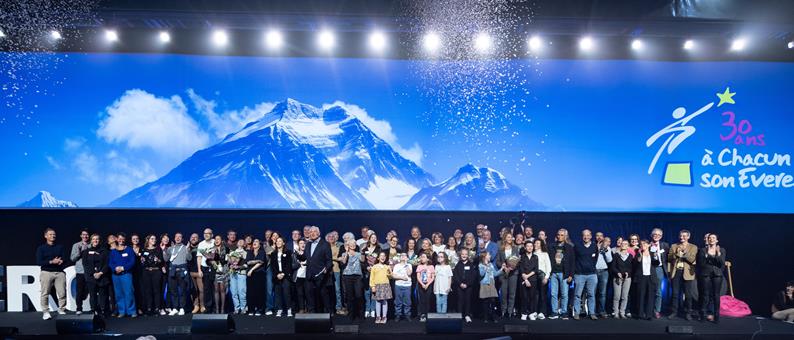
{"points": [[299, 156], [44, 199], [472, 188]]}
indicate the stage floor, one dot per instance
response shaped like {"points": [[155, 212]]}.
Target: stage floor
{"points": [[165, 327]]}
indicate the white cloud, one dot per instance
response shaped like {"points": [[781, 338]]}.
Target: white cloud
{"points": [[140, 120], [229, 121], [53, 163], [71, 144], [382, 129], [117, 173]]}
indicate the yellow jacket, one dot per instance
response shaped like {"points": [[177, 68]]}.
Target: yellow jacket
{"points": [[379, 274], [688, 260]]}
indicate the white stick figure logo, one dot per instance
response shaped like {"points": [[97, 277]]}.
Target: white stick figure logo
{"points": [[678, 131]]}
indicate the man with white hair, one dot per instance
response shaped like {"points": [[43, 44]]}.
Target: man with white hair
{"points": [[319, 271], [332, 238]]}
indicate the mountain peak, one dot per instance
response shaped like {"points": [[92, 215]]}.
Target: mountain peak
{"points": [[293, 109], [44, 199]]}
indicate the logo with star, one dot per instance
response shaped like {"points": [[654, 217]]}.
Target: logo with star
{"points": [[726, 97]]}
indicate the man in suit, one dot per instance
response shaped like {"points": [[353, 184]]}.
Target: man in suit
{"points": [[661, 249], [319, 270], [681, 267], [486, 245]]}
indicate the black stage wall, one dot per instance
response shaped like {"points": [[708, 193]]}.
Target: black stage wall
{"points": [[757, 244]]}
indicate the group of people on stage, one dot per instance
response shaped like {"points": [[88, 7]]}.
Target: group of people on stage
{"points": [[520, 275]]}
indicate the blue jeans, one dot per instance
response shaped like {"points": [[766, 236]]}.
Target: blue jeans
{"points": [[660, 275], [269, 290], [402, 301], [582, 281], [601, 290], [125, 294], [338, 288], [559, 287], [441, 303], [369, 303], [237, 285]]}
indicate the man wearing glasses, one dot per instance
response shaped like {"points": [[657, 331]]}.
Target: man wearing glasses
{"points": [[205, 271], [661, 248]]}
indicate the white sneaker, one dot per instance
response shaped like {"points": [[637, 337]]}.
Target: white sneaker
{"points": [[181, 311], [468, 319], [366, 314], [173, 312], [162, 312], [289, 313], [541, 316], [78, 312], [533, 316], [278, 314], [46, 316], [268, 313], [523, 317], [61, 312]]}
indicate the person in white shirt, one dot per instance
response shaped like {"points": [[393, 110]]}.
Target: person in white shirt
{"points": [[365, 232], [206, 272], [402, 286], [443, 283], [544, 266]]}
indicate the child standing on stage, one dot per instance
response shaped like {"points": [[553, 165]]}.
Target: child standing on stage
{"points": [[488, 294], [402, 288], [379, 285], [443, 283], [425, 274]]}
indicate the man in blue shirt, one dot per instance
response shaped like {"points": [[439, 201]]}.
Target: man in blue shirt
{"points": [[586, 253], [487, 245]]}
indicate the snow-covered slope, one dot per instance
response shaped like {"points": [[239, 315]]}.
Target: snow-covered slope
{"points": [[44, 199]]}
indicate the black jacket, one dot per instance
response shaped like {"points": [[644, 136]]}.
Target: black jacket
{"points": [[286, 264], [638, 265], [710, 266], [470, 277], [527, 265], [95, 260], [501, 259], [320, 263], [619, 266], [567, 258]]}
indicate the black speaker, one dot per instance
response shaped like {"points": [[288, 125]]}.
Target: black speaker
{"points": [[511, 328], [679, 329], [79, 324], [313, 323], [346, 329], [8, 331], [451, 323], [211, 324]]}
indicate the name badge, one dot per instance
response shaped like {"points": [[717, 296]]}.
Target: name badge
{"points": [[466, 268], [594, 255], [124, 254], [146, 253], [91, 252]]}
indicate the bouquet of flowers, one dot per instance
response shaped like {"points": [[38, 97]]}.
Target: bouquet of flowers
{"points": [[512, 262], [236, 264]]}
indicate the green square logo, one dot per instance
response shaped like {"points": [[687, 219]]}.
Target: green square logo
{"points": [[678, 174]]}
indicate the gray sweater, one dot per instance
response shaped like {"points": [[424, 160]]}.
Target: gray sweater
{"points": [[76, 256], [180, 254]]}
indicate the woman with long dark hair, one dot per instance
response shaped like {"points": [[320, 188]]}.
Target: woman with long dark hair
{"points": [[221, 274], [152, 268], [281, 265], [256, 260]]}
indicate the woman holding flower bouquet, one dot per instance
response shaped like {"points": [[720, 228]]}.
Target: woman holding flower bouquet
{"points": [[237, 277], [508, 256], [370, 251], [218, 263]]}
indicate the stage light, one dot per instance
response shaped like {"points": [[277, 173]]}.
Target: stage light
{"points": [[483, 42], [738, 44], [377, 41], [165, 37], [790, 44], [689, 44], [326, 40], [432, 42], [586, 44], [535, 43], [274, 39], [111, 36], [636, 44], [55, 35], [220, 38]]}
